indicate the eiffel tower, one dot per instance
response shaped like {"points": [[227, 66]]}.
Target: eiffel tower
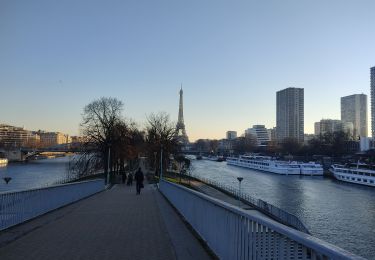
{"points": [[180, 127]]}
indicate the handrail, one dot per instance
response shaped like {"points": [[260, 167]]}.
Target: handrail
{"points": [[261, 205], [46, 187], [255, 235], [19, 206]]}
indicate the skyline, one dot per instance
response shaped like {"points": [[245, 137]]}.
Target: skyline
{"points": [[231, 59]]}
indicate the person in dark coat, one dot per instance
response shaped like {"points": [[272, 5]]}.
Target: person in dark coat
{"points": [[139, 180], [123, 177], [130, 179]]}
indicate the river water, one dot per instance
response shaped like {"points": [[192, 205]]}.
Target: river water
{"points": [[337, 212], [33, 174], [340, 213]]}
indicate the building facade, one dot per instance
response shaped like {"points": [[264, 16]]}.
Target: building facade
{"points": [[13, 136], [317, 128], [330, 126], [372, 82], [53, 138], [354, 110], [231, 135], [290, 114], [260, 133]]}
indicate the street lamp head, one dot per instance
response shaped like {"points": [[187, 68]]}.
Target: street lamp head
{"points": [[239, 179]]}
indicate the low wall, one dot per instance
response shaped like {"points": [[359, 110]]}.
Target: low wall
{"points": [[234, 233], [19, 206]]}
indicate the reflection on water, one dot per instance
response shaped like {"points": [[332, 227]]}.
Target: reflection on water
{"points": [[340, 213], [33, 174]]}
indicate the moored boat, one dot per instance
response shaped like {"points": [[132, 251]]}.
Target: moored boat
{"points": [[214, 158], [358, 173], [267, 164]]}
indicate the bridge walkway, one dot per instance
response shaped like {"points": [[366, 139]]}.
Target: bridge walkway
{"points": [[114, 224]]}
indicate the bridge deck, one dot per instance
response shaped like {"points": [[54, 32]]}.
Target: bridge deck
{"points": [[115, 224]]}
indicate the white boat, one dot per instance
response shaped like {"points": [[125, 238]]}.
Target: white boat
{"points": [[3, 162], [213, 158], [311, 168], [267, 164], [358, 173]]}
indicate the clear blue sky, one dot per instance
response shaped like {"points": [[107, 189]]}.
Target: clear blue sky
{"points": [[231, 57]]}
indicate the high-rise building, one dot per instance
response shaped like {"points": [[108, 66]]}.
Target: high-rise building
{"points": [[260, 133], [290, 114], [317, 128], [231, 135], [354, 110], [273, 134], [372, 79]]}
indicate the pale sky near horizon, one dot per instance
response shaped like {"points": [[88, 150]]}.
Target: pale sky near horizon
{"points": [[230, 56]]}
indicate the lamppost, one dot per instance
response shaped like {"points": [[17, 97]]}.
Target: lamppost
{"points": [[161, 162], [239, 190], [108, 164], [155, 164]]}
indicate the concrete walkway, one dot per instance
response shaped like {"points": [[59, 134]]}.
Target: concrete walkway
{"points": [[114, 224]]}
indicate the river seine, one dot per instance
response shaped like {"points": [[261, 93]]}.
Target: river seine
{"points": [[33, 174], [337, 212], [340, 213]]}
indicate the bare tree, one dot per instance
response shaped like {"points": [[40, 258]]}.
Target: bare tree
{"points": [[160, 134], [100, 120]]}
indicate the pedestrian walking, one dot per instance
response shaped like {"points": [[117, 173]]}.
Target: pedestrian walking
{"points": [[130, 179], [139, 180], [123, 177]]}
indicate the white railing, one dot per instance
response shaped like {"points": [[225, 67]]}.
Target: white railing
{"points": [[234, 233], [261, 205], [19, 206]]}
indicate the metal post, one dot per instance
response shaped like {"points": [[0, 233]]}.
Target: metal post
{"points": [[239, 190], [109, 157], [161, 162]]}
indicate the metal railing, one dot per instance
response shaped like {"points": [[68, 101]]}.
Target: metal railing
{"points": [[19, 206], [261, 205], [234, 233]]}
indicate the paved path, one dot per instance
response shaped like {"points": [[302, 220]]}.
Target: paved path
{"points": [[215, 193], [114, 224]]}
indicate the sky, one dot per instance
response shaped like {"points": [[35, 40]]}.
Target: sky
{"points": [[230, 57]]}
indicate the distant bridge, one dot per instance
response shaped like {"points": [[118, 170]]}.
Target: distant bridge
{"points": [[60, 148]]}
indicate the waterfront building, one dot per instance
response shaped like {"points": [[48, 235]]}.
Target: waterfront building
{"points": [[365, 143], [354, 110], [53, 138], [273, 134], [226, 146], [77, 139], [317, 128], [13, 136], [290, 114], [231, 135], [372, 82], [260, 133], [330, 126]]}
